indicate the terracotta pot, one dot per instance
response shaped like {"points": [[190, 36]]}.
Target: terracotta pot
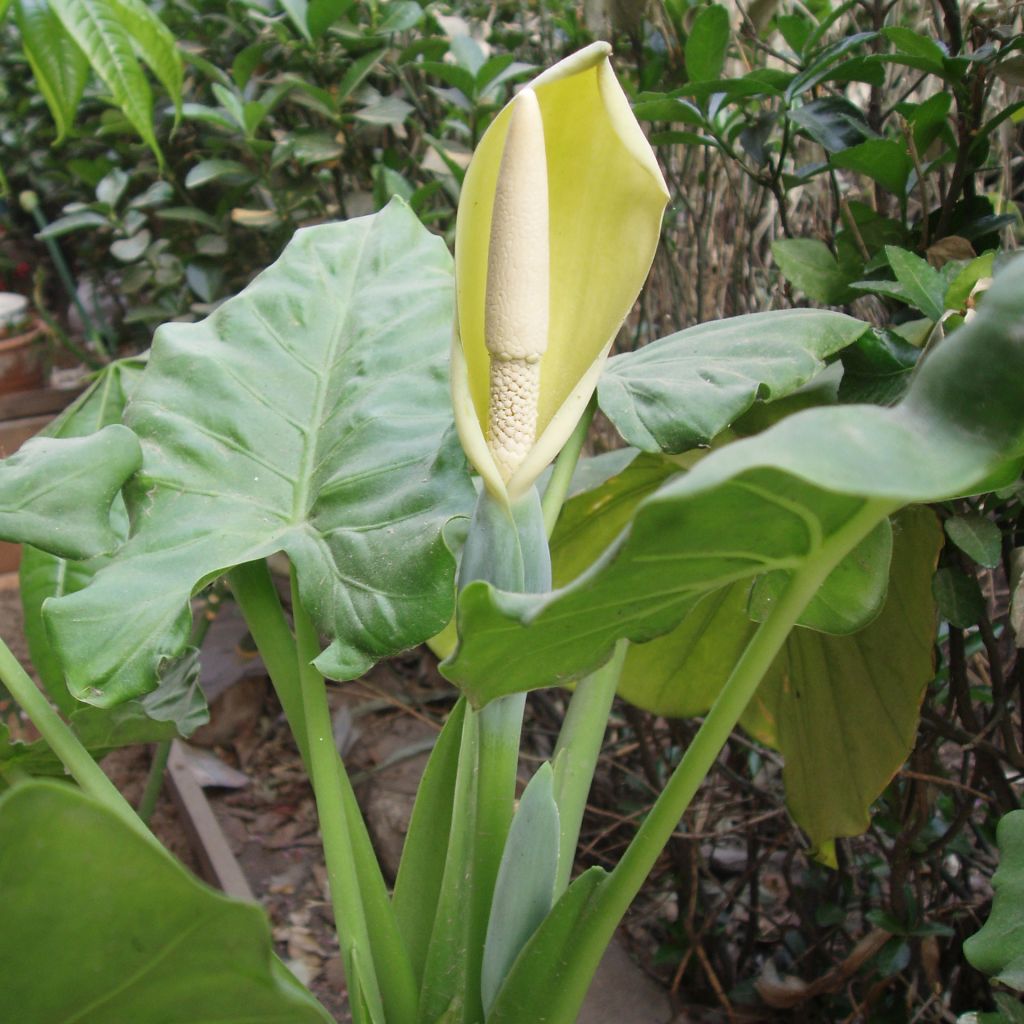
{"points": [[23, 359]]}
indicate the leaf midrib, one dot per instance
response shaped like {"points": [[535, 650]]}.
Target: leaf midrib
{"points": [[301, 499]]}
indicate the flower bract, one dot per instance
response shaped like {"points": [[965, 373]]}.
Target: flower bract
{"points": [[558, 222]]}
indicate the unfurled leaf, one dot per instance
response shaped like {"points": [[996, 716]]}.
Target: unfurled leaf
{"points": [[126, 933], [842, 709], [309, 415], [768, 502], [57, 494], [683, 390]]}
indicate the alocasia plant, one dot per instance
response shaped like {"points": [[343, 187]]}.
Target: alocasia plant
{"points": [[284, 422]]}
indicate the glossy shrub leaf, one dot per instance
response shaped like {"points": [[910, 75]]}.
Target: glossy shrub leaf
{"points": [[155, 45], [60, 67], [843, 710], [882, 160], [998, 949], [916, 45], [977, 537], [310, 415], [97, 28], [877, 368], [707, 44], [808, 265], [56, 494], [524, 891], [125, 932], [768, 502], [833, 122], [683, 390], [958, 596], [924, 286]]}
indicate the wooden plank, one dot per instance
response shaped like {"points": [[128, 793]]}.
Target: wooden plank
{"points": [[218, 863], [37, 402], [14, 433]]}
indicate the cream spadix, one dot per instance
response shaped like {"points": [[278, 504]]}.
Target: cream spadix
{"points": [[605, 197], [516, 303]]}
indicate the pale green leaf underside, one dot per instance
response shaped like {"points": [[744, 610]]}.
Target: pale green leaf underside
{"points": [[683, 390], [125, 933], [310, 414], [752, 507], [57, 493], [842, 709]]}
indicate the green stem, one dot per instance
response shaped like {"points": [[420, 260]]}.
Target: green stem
{"points": [[155, 780], [618, 891], [500, 726], [576, 753], [91, 330], [349, 912], [63, 742], [565, 466], [363, 914], [261, 607]]}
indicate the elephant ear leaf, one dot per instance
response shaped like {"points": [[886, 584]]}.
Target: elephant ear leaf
{"points": [[56, 494], [782, 501], [683, 390], [310, 414], [125, 932]]}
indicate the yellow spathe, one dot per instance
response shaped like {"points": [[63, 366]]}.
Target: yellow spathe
{"points": [[606, 196]]}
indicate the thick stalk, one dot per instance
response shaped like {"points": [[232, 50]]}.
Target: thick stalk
{"points": [[64, 743], [499, 727], [349, 911], [618, 891], [576, 753], [155, 780], [363, 914], [261, 608]]}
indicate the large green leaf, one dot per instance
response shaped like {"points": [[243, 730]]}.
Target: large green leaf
{"points": [[58, 63], [683, 390], [998, 949], [176, 706], [102, 926], [771, 502], [309, 415], [57, 494], [842, 709], [43, 575], [99, 30]]}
